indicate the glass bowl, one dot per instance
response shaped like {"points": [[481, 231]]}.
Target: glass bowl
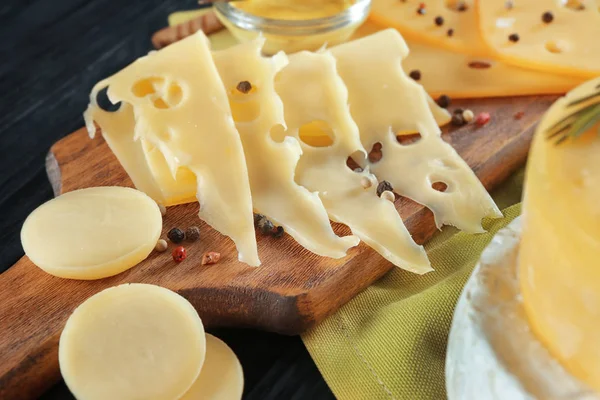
{"points": [[293, 35]]}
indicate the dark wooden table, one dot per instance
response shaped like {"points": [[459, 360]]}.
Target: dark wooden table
{"points": [[51, 54]]}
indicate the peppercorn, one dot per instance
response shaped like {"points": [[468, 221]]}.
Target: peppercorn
{"points": [[443, 101], [421, 10], [161, 245], [415, 74], [192, 233], [210, 257], [265, 226], [457, 120], [179, 254], [514, 37], [439, 20], [457, 111], [278, 232], [244, 87], [519, 114], [257, 218], [547, 17], [483, 118], [468, 115], [450, 32], [383, 186], [387, 195], [176, 235]]}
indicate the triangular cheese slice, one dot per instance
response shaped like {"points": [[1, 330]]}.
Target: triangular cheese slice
{"points": [[569, 44], [272, 165], [181, 108], [458, 31], [384, 100], [315, 103]]}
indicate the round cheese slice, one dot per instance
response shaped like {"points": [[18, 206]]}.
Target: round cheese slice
{"points": [[132, 341], [221, 377], [92, 233], [492, 351]]}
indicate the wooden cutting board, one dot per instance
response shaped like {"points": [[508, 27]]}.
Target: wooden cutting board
{"points": [[289, 293]]}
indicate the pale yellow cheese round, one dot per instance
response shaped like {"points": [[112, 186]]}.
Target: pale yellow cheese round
{"points": [[92, 233], [221, 377], [132, 341]]}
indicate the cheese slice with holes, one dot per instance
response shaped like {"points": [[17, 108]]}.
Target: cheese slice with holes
{"points": [[181, 108], [315, 105], [569, 44], [272, 165], [384, 100], [403, 16]]}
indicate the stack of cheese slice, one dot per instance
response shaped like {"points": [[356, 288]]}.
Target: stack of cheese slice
{"points": [[139, 341], [526, 325], [462, 48], [279, 146]]}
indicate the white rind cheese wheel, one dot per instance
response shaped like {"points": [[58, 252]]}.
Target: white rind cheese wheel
{"points": [[492, 352], [132, 341], [92, 233], [221, 377]]}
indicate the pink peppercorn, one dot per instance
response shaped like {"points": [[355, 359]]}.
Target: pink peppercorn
{"points": [[483, 118], [179, 254]]}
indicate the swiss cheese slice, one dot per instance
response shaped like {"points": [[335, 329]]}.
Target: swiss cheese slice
{"points": [[92, 233], [133, 341], [272, 165], [315, 104], [568, 44], [221, 377], [384, 100], [457, 15], [181, 108]]}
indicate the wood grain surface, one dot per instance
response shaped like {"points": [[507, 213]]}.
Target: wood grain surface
{"points": [[290, 292]]}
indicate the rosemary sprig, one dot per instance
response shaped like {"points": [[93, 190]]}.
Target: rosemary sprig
{"points": [[579, 121]]}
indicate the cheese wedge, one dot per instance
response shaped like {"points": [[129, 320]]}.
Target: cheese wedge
{"points": [[384, 100], [315, 105], [181, 108], [416, 27], [132, 341], [272, 165], [558, 257], [568, 44]]}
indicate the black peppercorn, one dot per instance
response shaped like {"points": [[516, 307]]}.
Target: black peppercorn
{"points": [[439, 21], [278, 232], [450, 32], [443, 101], [192, 233], [458, 111], [244, 87], [265, 226], [257, 218], [458, 120], [514, 37], [176, 235], [415, 74], [383, 186], [547, 17]]}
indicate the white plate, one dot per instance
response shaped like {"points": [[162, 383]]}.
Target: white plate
{"points": [[492, 353]]}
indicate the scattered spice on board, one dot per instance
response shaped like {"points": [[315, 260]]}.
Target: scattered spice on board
{"points": [[384, 186], [457, 119], [439, 20], [161, 245], [519, 115], [443, 101], [279, 231], [514, 37], [176, 235], [192, 233], [547, 17], [421, 10], [468, 115], [210, 257], [179, 254], [450, 32], [415, 74], [482, 118], [265, 226]]}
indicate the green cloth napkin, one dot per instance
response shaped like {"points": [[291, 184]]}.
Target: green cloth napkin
{"points": [[389, 342]]}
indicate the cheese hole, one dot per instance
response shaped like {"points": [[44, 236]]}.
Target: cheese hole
{"points": [[376, 153], [439, 186], [456, 5], [148, 86], [353, 165], [555, 47], [160, 103], [245, 111], [174, 95], [316, 133], [577, 5], [104, 103], [409, 139], [479, 65], [277, 133]]}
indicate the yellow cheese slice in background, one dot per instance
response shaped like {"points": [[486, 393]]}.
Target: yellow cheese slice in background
{"points": [[315, 98], [569, 44], [560, 245], [179, 108], [132, 341], [272, 165], [403, 16], [221, 377], [384, 100], [92, 233]]}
